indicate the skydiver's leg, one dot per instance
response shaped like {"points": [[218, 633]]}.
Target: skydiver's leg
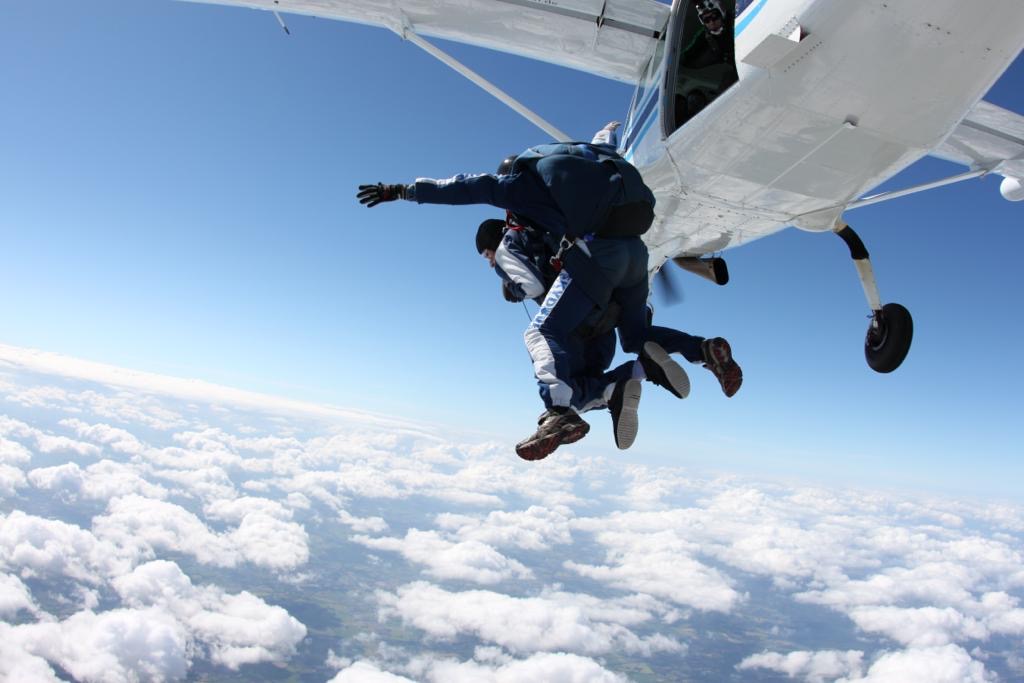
{"points": [[598, 353], [631, 291], [595, 383], [549, 340], [675, 341]]}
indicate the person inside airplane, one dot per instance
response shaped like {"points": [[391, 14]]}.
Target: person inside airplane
{"points": [[707, 65]]}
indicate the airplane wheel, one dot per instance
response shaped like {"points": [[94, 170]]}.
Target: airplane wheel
{"points": [[888, 339]]}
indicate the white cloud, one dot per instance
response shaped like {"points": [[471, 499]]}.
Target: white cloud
{"points": [[553, 622], [1001, 613], [547, 667], [44, 442], [12, 452], [271, 542], [16, 664], [103, 480], [550, 667], [114, 438], [237, 509], [117, 645], [367, 672], [146, 524], [132, 405], [947, 664], [237, 629], [14, 596], [375, 525], [444, 559], [536, 528], [11, 479], [659, 564], [919, 626], [32, 546], [813, 667]]}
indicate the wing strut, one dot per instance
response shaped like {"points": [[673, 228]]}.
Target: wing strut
{"points": [[494, 90], [886, 196], [281, 22]]}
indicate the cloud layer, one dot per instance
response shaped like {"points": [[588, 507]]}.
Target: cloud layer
{"points": [[152, 528]]}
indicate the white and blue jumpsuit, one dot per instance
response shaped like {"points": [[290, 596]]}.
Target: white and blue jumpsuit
{"points": [[522, 262], [596, 271]]}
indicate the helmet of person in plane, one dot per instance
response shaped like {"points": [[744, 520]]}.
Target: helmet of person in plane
{"points": [[711, 16]]}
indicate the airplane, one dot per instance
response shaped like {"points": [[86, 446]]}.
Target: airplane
{"points": [[821, 101]]}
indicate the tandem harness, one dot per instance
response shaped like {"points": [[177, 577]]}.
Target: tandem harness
{"points": [[564, 244]]}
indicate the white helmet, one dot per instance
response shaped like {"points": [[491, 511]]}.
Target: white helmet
{"points": [[708, 10]]}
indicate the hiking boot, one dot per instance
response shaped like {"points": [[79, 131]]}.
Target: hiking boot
{"points": [[556, 426], [622, 405], [664, 371], [718, 359]]}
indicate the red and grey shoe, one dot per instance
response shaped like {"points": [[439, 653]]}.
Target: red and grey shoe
{"points": [[718, 359], [555, 427]]}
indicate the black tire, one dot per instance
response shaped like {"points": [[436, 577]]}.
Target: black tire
{"points": [[886, 347]]}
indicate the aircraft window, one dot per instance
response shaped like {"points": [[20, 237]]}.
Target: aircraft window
{"points": [[705, 56], [742, 5]]}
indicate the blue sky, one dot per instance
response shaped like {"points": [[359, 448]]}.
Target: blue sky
{"points": [[178, 196]]}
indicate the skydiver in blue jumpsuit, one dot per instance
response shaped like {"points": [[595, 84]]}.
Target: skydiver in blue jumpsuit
{"points": [[597, 269], [520, 257]]}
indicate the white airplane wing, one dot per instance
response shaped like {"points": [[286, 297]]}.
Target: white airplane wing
{"points": [[989, 137], [610, 38]]}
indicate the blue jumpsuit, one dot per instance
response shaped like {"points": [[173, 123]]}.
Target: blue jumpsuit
{"points": [[595, 273]]}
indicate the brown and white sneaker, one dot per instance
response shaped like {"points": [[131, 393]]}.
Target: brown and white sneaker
{"points": [[718, 359], [555, 427]]}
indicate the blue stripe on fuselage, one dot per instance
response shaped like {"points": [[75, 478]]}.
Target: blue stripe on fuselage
{"points": [[643, 119], [750, 13]]}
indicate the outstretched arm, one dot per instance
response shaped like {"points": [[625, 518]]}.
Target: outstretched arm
{"points": [[460, 189], [522, 193]]}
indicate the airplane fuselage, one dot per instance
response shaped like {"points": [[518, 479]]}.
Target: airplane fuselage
{"points": [[833, 98]]}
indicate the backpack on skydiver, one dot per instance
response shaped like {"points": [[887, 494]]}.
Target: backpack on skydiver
{"points": [[598, 191]]}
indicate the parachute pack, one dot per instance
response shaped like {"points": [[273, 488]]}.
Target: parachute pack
{"points": [[597, 190]]}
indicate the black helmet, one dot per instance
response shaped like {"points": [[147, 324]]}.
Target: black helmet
{"points": [[488, 235], [505, 167], [707, 10]]}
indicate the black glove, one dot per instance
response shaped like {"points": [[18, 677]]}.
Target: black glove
{"points": [[510, 296], [372, 195]]}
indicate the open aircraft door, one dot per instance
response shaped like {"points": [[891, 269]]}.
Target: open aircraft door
{"points": [[699, 65]]}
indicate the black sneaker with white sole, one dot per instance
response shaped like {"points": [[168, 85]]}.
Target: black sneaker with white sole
{"points": [[623, 407], [664, 371]]}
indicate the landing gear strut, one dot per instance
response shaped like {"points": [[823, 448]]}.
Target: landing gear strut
{"points": [[891, 329]]}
